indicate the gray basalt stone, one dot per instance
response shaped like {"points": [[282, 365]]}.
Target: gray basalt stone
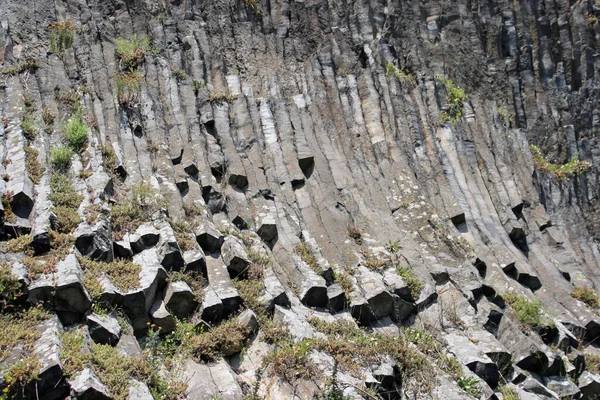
{"points": [[95, 242], [87, 386], [104, 329], [180, 300], [208, 237], [235, 257]]}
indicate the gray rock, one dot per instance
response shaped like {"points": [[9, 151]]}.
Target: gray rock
{"points": [[210, 380], [104, 329], [473, 358], [235, 257], [562, 386], [221, 283], [267, 228], [212, 307], [139, 391], [95, 242], [336, 298], [208, 237], [248, 318], [589, 385], [169, 253], [180, 300], [274, 291], [195, 261], [65, 291], [161, 317], [145, 236], [50, 380], [122, 249], [87, 386]]}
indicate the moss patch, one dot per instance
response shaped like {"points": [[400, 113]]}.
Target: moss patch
{"points": [[34, 168], [124, 274]]}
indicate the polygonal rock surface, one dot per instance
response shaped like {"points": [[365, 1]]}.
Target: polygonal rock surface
{"points": [[161, 317], [235, 256], [169, 253], [180, 300], [208, 237], [64, 291], [145, 236], [95, 242], [87, 386], [104, 329]]}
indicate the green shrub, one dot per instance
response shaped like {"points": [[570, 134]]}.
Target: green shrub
{"points": [[218, 98], [10, 287], [455, 99], [28, 127], [124, 274], [414, 284], [469, 385], [131, 52], [508, 393], [76, 132], [109, 157], [561, 171], [62, 35], [228, 337], [19, 328], [34, 168], [528, 311], [586, 295], [178, 74], [29, 65], [129, 85], [308, 257], [592, 361], [62, 193], [61, 157], [67, 219], [18, 245]]}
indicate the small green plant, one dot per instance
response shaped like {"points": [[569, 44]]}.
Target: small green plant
{"points": [[592, 361], [586, 295], [76, 132], [225, 339], [455, 99], [109, 157], [561, 171], [131, 52], [415, 286], [219, 98], [129, 85], [65, 202], [18, 245], [28, 127], [178, 74], [343, 279], [18, 376], [308, 257], [124, 274], [62, 35], [29, 65], [508, 393], [34, 168], [393, 246], [254, 5], [400, 74], [528, 311], [469, 385], [197, 86], [10, 287], [61, 157]]}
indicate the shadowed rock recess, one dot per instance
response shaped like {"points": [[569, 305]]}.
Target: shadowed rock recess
{"points": [[273, 199]]}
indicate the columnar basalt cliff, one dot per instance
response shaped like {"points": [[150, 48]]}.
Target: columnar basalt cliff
{"points": [[248, 199]]}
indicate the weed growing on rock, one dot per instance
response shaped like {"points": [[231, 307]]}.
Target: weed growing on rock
{"points": [[308, 257], [290, 360], [18, 245], [355, 234], [62, 35], [70, 99], [586, 295], [66, 201], [128, 214], [19, 328], [29, 65], [9, 216], [455, 99], [129, 85], [72, 355], [109, 157], [28, 127], [131, 52], [60, 157], [124, 274], [344, 281], [414, 284], [528, 311], [10, 287], [18, 376], [193, 210], [254, 5], [76, 132], [178, 74], [35, 169], [183, 234], [219, 98], [194, 280], [398, 73], [223, 340], [561, 171], [60, 244], [508, 393], [592, 361], [197, 86], [469, 385]]}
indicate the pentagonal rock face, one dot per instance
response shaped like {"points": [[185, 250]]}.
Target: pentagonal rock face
{"points": [[180, 299], [104, 329], [267, 228], [87, 386], [212, 307], [95, 242], [47, 350], [169, 253], [336, 298], [145, 236], [64, 291], [208, 237], [195, 261], [161, 317], [235, 257]]}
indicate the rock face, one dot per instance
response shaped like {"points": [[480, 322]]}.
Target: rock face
{"points": [[401, 164]]}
